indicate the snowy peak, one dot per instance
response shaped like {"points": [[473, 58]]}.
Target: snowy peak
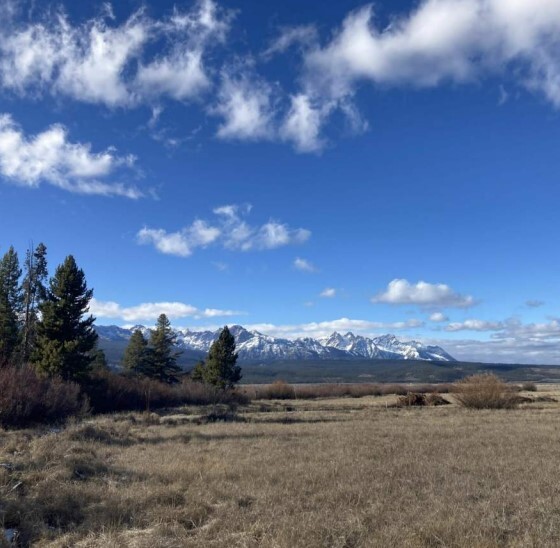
{"points": [[252, 345]]}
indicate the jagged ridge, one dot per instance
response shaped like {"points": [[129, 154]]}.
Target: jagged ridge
{"points": [[253, 345]]}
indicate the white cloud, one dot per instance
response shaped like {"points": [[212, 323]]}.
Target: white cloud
{"points": [[302, 35], [438, 317], [303, 122], [328, 293], [323, 329], [424, 294], [182, 243], [443, 40], [151, 311], [228, 230], [49, 157], [534, 303], [246, 106], [474, 325], [100, 62], [304, 265]]}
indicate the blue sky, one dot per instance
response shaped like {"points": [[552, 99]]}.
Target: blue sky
{"points": [[294, 167]]}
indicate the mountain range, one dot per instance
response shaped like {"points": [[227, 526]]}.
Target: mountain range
{"points": [[256, 346]]}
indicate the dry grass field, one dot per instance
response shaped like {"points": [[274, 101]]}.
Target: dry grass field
{"points": [[343, 472]]}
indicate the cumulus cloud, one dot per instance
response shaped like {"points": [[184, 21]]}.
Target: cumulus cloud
{"points": [[438, 317], [49, 157], [328, 293], [304, 265], [443, 40], [151, 311], [106, 63], [400, 291], [228, 229]]}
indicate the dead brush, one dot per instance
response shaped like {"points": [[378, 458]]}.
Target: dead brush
{"points": [[484, 391]]}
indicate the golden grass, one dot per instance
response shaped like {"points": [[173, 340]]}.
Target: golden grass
{"points": [[336, 473]]}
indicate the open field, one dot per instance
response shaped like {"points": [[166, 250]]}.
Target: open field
{"points": [[342, 472]]}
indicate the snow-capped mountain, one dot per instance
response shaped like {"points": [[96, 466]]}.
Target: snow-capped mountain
{"points": [[253, 345]]}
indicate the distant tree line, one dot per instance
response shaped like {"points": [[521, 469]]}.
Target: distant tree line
{"points": [[46, 323]]}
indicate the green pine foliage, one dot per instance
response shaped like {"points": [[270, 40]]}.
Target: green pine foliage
{"points": [[10, 306], [220, 369], [65, 336], [162, 362], [137, 355], [99, 361], [34, 291]]}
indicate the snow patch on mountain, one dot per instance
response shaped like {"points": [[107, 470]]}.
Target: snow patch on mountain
{"points": [[253, 345]]}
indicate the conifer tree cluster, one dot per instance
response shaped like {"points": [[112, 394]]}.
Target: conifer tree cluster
{"points": [[46, 324], [156, 358]]}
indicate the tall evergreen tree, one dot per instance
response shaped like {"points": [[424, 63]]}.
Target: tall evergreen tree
{"points": [[220, 369], [162, 362], [10, 306], [65, 337], [9, 334], [136, 355], [34, 292], [10, 273]]}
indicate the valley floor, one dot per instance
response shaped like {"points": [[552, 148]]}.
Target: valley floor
{"points": [[338, 473]]}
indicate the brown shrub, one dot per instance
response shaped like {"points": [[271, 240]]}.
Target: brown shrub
{"points": [[484, 391], [411, 400], [110, 392], [26, 397], [436, 400], [282, 391], [529, 387]]}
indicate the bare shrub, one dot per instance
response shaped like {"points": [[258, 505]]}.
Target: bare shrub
{"points": [[529, 387], [26, 397], [484, 391], [411, 400], [110, 392], [282, 391], [435, 400], [278, 390]]}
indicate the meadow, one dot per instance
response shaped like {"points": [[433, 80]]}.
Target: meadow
{"points": [[333, 472]]}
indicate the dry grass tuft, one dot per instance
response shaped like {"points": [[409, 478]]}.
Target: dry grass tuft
{"points": [[485, 391]]}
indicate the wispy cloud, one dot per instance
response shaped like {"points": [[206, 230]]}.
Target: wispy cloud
{"points": [[534, 303], [328, 293], [325, 328], [474, 325], [228, 229], [106, 63], [49, 157], [400, 291], [151, 311], [304, 265], [438, 317]]}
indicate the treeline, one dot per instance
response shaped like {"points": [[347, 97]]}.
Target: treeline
{"points": [[45, 323], [51, 365]]}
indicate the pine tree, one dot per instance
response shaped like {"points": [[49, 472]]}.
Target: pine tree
{"points": [[10, 273], [99, 361], [220, 369], [8, 329], [162, 363], [65, 339], [34, 292], [10, 306], [136, 355]]}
